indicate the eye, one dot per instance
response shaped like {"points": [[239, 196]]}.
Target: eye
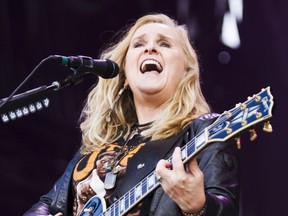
{"points": [[165, 44], [138, 44]]}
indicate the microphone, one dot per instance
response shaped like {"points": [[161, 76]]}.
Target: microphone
{"points": [[104, 68]]}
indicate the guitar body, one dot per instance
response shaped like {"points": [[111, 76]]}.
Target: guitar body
{"points": [[95, 206]]}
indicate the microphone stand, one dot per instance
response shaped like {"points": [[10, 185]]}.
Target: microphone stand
{"points": [[34, 100]]}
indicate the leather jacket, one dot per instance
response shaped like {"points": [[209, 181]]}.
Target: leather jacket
{"points": [[218, 162]]}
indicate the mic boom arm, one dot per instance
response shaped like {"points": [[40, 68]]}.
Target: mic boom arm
{"points": [[33, 100], [24, 103], [17, 106]]}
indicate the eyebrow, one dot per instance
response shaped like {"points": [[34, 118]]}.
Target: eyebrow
{"points": [[161, 36]]}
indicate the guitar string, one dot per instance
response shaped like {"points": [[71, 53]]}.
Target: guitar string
{"points": [[116, 205], [238, 109], [190, 145], [222, 118], [143, 184]]}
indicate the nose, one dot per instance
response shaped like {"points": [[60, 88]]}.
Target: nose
{"points": [[151, 48]]}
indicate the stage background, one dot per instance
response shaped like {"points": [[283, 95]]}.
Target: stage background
{"points": [[34, 150]]}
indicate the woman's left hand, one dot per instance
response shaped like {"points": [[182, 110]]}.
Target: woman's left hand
{"points": [[185, 188]]}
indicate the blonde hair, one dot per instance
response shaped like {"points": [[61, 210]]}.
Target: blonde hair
{"points": [[187, 103]]}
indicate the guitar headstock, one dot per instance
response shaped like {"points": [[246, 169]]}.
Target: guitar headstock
{"points": [[256, 109]]}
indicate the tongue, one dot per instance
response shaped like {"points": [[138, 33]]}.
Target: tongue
{"points": [[150, 67]]}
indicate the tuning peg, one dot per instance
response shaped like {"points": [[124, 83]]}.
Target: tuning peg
{"points": [[238, 142], [267, 127], [253, 134]]}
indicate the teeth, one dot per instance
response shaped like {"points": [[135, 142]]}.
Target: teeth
{"points": [[149, 65]]}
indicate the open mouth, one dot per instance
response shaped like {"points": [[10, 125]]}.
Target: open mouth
{"points": [[150, 65]]}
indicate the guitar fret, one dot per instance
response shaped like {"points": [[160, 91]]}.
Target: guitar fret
{"points": [[200, 140], [122, 205], [190, 148], [113, 210], [109, 212], [132, 196], [184, 153], [151, 181], [127, 201], [116, 209], [138, 192], [144, 186]]}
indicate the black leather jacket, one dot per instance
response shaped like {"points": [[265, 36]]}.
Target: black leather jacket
{"points": [[218, 162]]}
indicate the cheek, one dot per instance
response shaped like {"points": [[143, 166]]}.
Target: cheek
{"points": [[130, 59], [128, 70], [131, 56], [130, 65], [175, 80], [178, 73]]}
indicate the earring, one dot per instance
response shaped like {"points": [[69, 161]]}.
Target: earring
{"points": [[109, 112]]}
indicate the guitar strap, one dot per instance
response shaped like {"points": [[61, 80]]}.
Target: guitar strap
{"points": [[140, 165]]}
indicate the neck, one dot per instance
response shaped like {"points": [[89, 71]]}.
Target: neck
{"points": [[141, 128], [147, 113], [148, 107]]}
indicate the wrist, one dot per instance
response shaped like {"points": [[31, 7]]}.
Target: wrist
{"points": [[199, 213]]}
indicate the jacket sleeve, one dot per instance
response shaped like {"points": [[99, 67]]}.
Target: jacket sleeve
{"points": [[220, 168], [57, 199], [219, 164]]}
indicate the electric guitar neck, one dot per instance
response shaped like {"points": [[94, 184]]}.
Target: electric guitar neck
{"points": [[243, 116]]}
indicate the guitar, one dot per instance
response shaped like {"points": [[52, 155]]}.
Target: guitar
{"points": [[242, 117]]}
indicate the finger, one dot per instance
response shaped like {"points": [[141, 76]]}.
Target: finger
{"points": [[177, 160], [162, 164], [193, 166], [161, 168]]}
